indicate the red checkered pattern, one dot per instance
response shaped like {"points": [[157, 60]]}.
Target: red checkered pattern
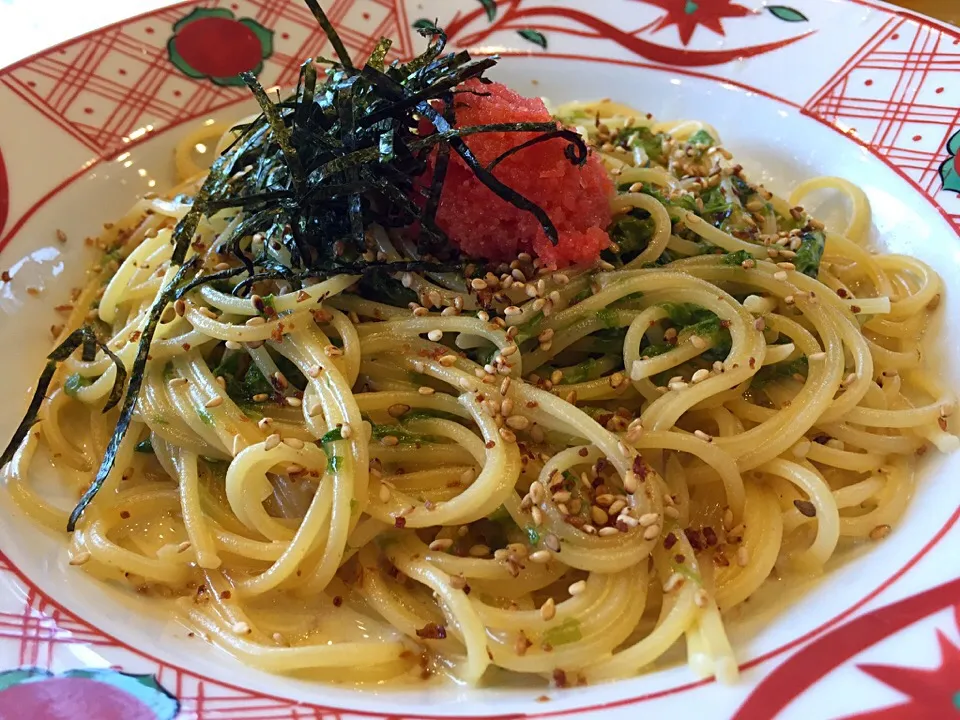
{"points": [[890, 95], [103, 88]]}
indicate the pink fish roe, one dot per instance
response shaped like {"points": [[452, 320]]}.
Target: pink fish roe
{"points": [[577, 199]]}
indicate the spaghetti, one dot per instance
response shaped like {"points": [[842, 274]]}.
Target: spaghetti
{"points": [[559, 473]]}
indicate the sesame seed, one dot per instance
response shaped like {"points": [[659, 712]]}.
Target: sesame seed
{"points": [[478, 551], [701, 599], [743, 556], [549, 609], [817, 356], [674, 582], [184, 546], [649, 519], [441, 544], [511, 310], [346, 431], [214, 402], [652, 532], [671, 512], [880, 532], [435, 335], [577, 587], [271, 442], [607, 531], [541, 556], [398, 410], [700, 434], [384, 493], [424, 390], [537, 515], [389, 440], [264, 423], [315, 371], [700, 375], [780, 275], [698, 342], [241, 628], [293, 401], [295, 443], [630, 483], [518, 422]]}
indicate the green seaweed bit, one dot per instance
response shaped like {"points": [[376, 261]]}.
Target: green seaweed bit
{"points": [[810, 253]]}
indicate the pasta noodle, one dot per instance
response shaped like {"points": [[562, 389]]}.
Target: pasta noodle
{"points": [[563, 482]]}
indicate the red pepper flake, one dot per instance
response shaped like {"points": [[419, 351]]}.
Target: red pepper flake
{"points": [[721, 560], [855, 309], [337, 601], [669, 541], [680, 558], [753, 363], [583, 452], [640, 468], [432, 631], [490, 445], [694, 538], [710, 536], [400, 522], [124, 514], [841, 292], [225, 595], [559, 678]]}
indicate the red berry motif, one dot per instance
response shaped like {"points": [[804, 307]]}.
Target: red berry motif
{"points": [[211, 43], [101, 694]]}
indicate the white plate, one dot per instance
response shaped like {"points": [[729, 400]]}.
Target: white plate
{"points": [[847, 87]]}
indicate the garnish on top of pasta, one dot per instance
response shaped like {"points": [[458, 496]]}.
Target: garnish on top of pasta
{"points": [[420, 379]]}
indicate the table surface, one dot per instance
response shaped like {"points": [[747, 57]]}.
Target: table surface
{"points": [[27, 26]]}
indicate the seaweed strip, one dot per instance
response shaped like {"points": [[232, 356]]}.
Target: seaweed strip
{"points": [[331, 33], [133, 392]]}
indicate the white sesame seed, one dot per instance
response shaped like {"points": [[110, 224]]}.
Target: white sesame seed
{"points": [[241, 628], [780, 275], [549, 608], [674, 582], [214, 402], [435, 335], [80, 558], [607, 531], [700, 434], [389, 440], [271, 442], [541, 556], [577, 587], [293, 401], [652, 532], [743, 556], [295, 443], [441, 544], [701, 599], [700, 375]]}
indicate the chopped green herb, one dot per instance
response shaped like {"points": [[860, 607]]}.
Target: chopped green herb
{"points": [[736, 258], [331, 436], [533, 535], [75, 383], [334, 462], [566, 632], [701, 137], [810, 253]]}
